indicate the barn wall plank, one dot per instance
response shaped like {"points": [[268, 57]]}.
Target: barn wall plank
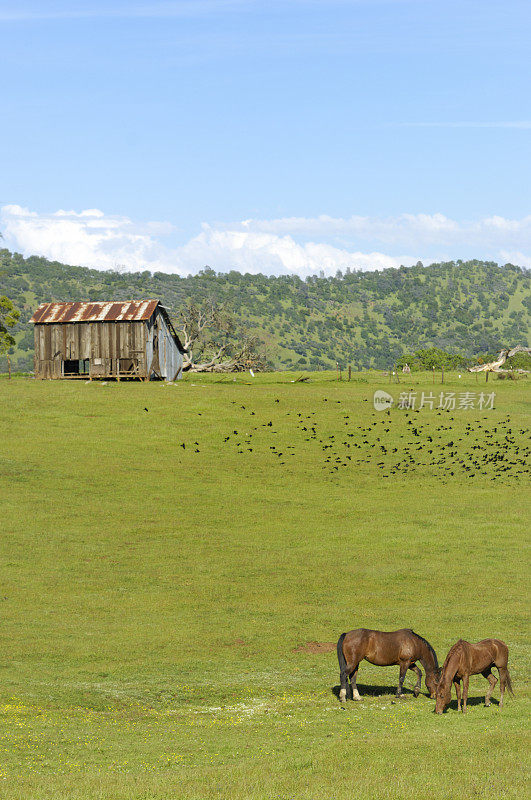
{"points": [[105, 341]]}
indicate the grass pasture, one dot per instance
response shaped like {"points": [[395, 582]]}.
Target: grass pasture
{"points": [[165, 610]]}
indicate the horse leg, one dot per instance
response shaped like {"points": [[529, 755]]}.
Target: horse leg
{"points": [[457, 685], [492, 683], [353, 676], [344, 678], [404, 666], [417, 687], [465, 691]]}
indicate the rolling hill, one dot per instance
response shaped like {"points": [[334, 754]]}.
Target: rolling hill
{"points": [[367, 319]]}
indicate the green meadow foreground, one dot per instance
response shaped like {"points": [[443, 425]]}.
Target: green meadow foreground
{"points": [[165, 611]]}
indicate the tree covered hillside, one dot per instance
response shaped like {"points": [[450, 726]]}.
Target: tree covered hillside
{"points": [[367, 319]]}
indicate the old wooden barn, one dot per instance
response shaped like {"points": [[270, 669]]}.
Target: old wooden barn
{"points": [[106, 340]]}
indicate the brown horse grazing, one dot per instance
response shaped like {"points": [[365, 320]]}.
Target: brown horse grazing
{"points": [[403, 647], [464, 660]]}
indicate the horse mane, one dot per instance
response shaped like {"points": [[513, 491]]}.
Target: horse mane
{"points": [[430, 648], [452, 651]]}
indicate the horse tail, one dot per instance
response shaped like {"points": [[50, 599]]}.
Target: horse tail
{"points": [[501, 663], [342, 668]]}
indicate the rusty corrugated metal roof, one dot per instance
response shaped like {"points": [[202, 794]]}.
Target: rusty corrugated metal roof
{"points": [[130, 311]]}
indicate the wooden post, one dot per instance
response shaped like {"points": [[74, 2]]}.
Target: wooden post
{"points": [[337, 370], [433, 374], [349, 371], [486, 376], [442, 374]]}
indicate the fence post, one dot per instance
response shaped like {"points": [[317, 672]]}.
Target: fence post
{"points": [[442, 374], [349, 371]]}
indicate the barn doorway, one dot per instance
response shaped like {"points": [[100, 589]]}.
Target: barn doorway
{"points": [[73, 367]]}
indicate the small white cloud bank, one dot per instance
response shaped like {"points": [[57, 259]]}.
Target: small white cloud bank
{"points": [[291, 245], [237, 247], [89, 238]]}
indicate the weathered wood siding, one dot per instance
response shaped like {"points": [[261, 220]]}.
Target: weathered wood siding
{"points": [[104, 344]]}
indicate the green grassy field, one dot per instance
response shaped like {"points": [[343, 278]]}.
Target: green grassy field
{"points": [[157, 601]]}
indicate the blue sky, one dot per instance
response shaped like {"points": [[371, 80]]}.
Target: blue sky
{"points": [[279, 136]]}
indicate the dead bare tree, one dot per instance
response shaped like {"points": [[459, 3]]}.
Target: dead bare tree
{"points": [[495, 366], [214, 342]]}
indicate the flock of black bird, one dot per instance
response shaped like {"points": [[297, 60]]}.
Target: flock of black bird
{"points": [[396, 442]]}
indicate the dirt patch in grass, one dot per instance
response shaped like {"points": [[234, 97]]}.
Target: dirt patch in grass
{"points": [[315, 647]]}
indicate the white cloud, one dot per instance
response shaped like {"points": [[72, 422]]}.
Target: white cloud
{"points": [[261, 251], [89, 238], [516, 257], [414, 232], [404, 229], [296, 245]]}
